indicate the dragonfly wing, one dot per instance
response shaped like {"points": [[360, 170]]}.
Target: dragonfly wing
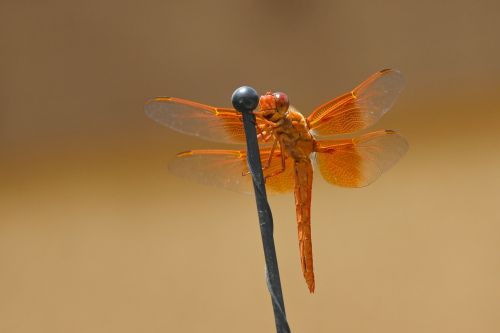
{"points": [[228, 169], [359, 161], [188, 117], [359, 108]]}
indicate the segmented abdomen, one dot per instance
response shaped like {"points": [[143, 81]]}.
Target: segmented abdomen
{"points": [[303, 187]]}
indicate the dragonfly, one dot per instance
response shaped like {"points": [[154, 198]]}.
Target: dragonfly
{"points": [[290, 144]]}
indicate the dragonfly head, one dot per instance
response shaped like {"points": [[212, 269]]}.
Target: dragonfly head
{"points": [[273, 106]]}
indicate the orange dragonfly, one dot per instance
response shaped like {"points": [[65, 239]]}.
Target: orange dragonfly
{"points": [[293, 143]]}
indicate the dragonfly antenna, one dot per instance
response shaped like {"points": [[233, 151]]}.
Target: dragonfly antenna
{"points": [[245, 99]]}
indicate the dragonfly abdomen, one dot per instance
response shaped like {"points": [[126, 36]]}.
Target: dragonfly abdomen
{"points": [[303, 187]]}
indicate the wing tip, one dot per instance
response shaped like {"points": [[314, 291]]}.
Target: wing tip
{"points": [[149, 105], [395, 72], [392, 70], [158, 99], [405, 146], [185, 153]]}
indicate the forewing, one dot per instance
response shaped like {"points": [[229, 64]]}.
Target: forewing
{"points": [[228, 169], [359, 161], [360, 108], [188, 117]]}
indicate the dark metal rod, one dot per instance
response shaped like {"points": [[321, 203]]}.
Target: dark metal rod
{"points": [[245, 100]]}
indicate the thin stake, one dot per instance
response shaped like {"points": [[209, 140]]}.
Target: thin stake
{"points": [[245, 100]]}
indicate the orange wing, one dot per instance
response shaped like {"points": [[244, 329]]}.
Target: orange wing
{"points": [[359, 161], [228, 168], [360, 108], [207, 122]]}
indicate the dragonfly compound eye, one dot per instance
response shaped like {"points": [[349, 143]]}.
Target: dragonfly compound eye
{"points": [[282, 103]]}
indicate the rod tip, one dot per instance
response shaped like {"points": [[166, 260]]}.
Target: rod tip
{"points": [[245, 99]]}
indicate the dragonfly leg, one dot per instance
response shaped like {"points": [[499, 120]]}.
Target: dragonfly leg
{"points": [[268, 163], [265, 133], [282, 164], [261, 114], [260, 132]]}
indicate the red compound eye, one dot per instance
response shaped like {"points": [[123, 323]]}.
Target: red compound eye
{"points": [[282, 102]]}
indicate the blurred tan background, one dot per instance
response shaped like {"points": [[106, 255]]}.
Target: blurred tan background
{"points": [[96, 235]]}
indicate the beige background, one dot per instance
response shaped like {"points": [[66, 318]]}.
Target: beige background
{"points": [[96, 236]]}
